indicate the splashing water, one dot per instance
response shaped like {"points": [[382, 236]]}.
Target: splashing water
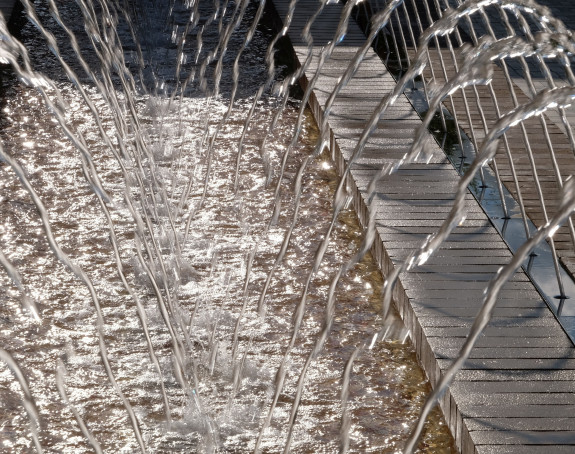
{"points": [[137, 259], [166, 289]]}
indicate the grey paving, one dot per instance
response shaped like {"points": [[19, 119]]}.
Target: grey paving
{"points": [[515, 394]]}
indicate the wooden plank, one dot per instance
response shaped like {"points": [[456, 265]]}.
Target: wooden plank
{"points": [[520, 377], [535, 137]]}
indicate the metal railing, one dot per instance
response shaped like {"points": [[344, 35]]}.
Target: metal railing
{"points": [[520, 187]]}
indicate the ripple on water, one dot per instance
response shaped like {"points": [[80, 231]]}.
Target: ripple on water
{"points": [[231, 381]]}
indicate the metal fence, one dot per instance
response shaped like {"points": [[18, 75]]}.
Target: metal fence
{"points": [[519, 189]]}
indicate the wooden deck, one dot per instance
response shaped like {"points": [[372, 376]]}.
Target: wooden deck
{"points": [[540, 135], [516, 394]]}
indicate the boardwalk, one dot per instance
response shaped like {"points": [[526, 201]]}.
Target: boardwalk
{"points": [[516, 394], [537, 136]]}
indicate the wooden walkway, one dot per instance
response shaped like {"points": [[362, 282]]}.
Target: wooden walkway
{"points": [[517, 393], [534, 136]]}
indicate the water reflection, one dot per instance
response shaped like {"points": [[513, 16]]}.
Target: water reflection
{"points": [[193, 275]]}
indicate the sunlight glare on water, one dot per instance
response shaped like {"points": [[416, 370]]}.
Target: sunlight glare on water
{"points": [[196, 259]]}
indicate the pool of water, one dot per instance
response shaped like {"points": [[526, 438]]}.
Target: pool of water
{"points": [[204, 262]]}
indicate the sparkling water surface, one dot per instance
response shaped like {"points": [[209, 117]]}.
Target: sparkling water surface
{"points": [[205, 249]]}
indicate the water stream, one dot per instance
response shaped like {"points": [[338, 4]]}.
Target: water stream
{"points": [[183, 270], [129, 320]]}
